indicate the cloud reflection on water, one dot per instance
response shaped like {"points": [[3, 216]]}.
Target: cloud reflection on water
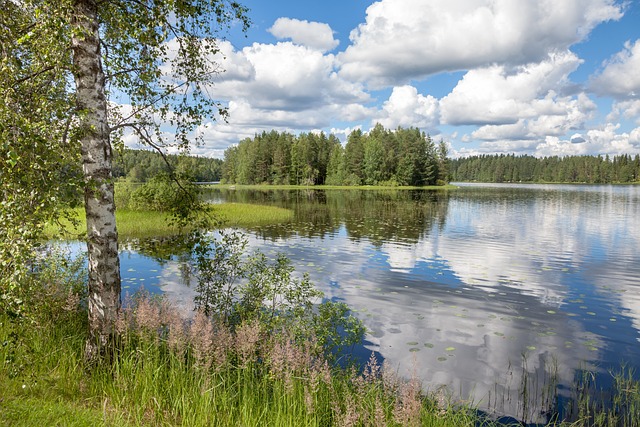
{"points": [[480, 291]]}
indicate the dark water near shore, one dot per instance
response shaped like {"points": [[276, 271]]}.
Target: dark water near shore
{"points": [[482, 289]]}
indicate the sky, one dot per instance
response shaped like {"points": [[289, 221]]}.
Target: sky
{"points": [[540, 77]]}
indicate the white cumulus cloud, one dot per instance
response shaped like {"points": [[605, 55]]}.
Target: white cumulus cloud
{"points": [[501, 95], [315, 35], [621, 75], [406, 107], [407, 39]]}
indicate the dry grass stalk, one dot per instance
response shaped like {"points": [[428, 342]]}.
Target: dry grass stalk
{"points": [[248, 337], [201, 335]]}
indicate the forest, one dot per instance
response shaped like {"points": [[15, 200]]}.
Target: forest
{"points": [[142, 165], [571, 169], [379, 157]]}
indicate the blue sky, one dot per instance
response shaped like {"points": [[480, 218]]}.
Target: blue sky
{"points": [[542, 77]]}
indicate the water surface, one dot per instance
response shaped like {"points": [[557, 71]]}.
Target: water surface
{"points": [[482, 289]]}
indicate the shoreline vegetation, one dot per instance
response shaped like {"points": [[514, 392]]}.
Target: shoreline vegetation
{"points": [[148, 223], [328, 187], [172, 369]]}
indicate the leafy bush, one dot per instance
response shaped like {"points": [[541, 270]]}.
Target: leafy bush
{"points": [[236, 289]]}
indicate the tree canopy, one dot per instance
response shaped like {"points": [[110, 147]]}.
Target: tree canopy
{"points": [[571, 169], [380, 157], [77, 75]]}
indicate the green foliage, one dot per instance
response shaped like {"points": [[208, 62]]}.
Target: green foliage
{"points": [[160, 193], [571, 169], [235, 289], [142, 165], [42, 116], [39, 159], [404, 157], [170, 370]]}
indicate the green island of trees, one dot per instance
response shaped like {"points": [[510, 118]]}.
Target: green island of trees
{"points": [[404, 157]]}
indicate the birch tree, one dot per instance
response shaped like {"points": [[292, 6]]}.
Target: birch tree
{"points": [[138, 66]]}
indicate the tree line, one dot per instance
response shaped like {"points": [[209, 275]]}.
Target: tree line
{"points": [[379, 157], [142, 165], [571, 169]]}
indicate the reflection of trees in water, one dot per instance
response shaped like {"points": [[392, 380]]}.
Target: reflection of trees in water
{"points": [[376, 215], [164, 250]]}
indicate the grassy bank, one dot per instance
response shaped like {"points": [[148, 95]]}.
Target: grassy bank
{"points": [[194, 374], [142, 224], [330, 187]]}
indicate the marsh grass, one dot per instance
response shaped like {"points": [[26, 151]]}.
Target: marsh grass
{"points": [[173, 370], [145, 224], [248, 215]]}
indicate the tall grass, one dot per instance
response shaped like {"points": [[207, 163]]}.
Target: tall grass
{"points": [[144, 224], [171, 370], [247, 215]]}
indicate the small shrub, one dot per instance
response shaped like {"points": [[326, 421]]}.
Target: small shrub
{"points": [[236, 289]]}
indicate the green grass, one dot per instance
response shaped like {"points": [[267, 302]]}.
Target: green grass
{"points": [[141, 224], [246, 215], [28, 412], [43, 382]]}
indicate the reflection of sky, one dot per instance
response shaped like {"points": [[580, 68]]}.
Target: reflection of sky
{"points": [[551, 274]]}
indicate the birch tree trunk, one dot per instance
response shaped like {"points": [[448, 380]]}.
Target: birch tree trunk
{"points": [[102, 237]]}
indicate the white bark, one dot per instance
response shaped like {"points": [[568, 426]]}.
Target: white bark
{"points": [[102, 236]]}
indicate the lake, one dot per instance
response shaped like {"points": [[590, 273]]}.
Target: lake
{"points": [[488, 289]]}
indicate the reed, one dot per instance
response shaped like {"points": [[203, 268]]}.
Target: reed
{"points": [[144, 224]]}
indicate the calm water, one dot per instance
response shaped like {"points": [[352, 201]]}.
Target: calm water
{"points": [[479, 289]]}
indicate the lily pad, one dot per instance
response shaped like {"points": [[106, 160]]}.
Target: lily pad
{"points": [[450, 349]]}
